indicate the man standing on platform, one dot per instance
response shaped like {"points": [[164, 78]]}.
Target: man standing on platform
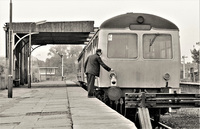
{"points": [[92, 69]]}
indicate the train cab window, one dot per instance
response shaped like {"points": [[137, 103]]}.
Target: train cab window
{"points": [[122, 45], [157, 46]]}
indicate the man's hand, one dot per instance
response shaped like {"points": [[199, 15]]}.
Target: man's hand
{"points": [[112, 70]]}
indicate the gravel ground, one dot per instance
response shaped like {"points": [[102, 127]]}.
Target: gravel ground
{"points": [[185, 118]]}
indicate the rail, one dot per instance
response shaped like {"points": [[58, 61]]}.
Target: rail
{"points": [[190, 83], [190, 87], [143, 101], [161, 100], [161, 125]]}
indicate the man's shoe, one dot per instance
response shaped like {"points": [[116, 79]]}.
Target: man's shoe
{"points": [[91, 97]]}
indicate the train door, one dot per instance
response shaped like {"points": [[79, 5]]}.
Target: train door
{"points": [[95, 46]]}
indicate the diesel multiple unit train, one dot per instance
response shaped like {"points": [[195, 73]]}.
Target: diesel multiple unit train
{"points": [[144, 51]]}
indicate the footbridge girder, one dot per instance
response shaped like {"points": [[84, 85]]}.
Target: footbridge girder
{"points": [[75, 32], [17, 51]]}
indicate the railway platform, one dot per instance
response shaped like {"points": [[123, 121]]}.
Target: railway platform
{"points": [[57, 105]]}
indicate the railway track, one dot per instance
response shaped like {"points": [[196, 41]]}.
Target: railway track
{"points": [[161, 125], [158, 125], [117, 107]]}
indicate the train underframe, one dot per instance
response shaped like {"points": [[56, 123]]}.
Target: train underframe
{"points": [[119, 104], [141, 104]]}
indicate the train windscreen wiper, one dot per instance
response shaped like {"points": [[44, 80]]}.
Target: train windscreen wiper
{"points": [[152, 41]]}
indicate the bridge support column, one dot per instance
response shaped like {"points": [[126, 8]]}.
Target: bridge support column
{"points": [[10, 86], [29, 54], [17, 67], [26, 64], [22, 63]]}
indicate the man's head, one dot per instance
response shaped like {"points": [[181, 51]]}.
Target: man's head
{"points": [[99, 52]]}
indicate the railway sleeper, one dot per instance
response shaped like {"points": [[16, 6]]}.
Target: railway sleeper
{"points": [[141, 107], [147, 105]]}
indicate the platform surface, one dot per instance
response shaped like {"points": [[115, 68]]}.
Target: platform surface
{"points": [[57, 105]]}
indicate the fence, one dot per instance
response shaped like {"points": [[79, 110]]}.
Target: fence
{"points": [[2, 82]]}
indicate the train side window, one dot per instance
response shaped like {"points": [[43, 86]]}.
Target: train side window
{"points": [[122, 45], [95, 44], [89, 50], [157, 46]]}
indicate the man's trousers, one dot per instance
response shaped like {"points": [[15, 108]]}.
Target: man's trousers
{"points": [[90, 83]]}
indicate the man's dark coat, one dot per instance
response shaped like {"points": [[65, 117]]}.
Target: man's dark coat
{"points": [[92, 65]]}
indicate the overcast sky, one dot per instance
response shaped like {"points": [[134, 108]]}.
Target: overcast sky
{"points": [[183, 13]]}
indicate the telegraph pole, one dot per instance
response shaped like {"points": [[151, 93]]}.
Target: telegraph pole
{"points": [[10, 77], [61, 55], [62, 67]]}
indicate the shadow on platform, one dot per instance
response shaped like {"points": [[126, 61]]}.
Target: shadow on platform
{"points": [[53, 84]]}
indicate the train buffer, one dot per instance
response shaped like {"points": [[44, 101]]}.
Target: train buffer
{"points": [[144, 102]]}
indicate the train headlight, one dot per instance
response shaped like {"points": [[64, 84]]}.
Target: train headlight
{"points": [[113, 78], [140, 19], [166, 76]]}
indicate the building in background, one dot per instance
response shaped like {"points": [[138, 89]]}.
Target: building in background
{"points": [[191, 72], [46, 73]]}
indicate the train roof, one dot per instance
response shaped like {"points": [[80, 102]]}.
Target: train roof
{"points": [[125, 20]]}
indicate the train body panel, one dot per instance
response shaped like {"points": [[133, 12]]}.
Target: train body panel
{"points": [[139, 72], [80, 70]]}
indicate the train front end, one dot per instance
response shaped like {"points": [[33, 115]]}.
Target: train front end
{"points": [[144, 51]]}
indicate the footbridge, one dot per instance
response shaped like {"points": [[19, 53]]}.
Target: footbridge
{"points": [[21, 36]]}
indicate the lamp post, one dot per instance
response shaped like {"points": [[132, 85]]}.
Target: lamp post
{"points": [[62, 62], [29, 50], [184, 66]]}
